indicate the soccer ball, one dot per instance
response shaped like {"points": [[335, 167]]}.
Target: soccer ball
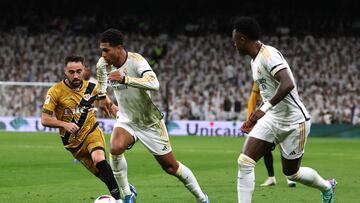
{"points": [[105, 199]]}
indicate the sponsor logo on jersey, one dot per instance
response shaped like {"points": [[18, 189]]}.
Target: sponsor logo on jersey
{"points": [[86, 97], [261, 83]]}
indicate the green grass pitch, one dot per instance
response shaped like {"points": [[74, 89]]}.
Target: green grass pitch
{"points": [[35, 168]]}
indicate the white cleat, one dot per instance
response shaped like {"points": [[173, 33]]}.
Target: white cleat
{"points": [[270, 181], [290, 183]]}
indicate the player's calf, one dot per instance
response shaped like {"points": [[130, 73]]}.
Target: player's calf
{"points": [[310, 177], [186, 176], [106, 175], [246, 178], [119, 167]]}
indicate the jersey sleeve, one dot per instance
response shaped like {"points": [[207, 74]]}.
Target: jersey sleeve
{"points": [[147, 78], [50, 102], [276, 62], [101, 75]]}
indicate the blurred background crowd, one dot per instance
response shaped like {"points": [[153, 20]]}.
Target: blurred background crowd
{"points": [[201, 75]]}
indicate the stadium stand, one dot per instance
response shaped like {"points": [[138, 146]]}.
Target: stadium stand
{"points": [[202, 77]]}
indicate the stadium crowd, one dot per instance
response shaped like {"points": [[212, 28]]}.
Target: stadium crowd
{"points": [[201, 74], [202, 77]]}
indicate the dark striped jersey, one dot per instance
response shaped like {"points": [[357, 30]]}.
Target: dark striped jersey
{"points": [[75, 106]]}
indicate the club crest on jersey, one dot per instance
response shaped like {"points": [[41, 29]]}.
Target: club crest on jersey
{"points": [[258, 71], [86, 97], [69, 111]]}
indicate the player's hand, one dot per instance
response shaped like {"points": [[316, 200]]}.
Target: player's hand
{"points": [[247, 126], [104, 105], [113, 110], [71, 127], [117, 75]]}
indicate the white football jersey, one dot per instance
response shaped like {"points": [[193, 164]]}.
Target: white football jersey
{"points": [[134, 97], [266, 64]]}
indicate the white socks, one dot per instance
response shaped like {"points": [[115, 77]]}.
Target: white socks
{"points": [[246, 179], [119, 166], [187, 177], [310, 177]]}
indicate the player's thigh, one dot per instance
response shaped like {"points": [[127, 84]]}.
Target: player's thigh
{"points": [[155, 138], [256, 148], [92, 150], [260, 140], [122, 137]]}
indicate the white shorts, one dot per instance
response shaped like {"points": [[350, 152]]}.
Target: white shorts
{"points": [[154, 138], [291, 138]]}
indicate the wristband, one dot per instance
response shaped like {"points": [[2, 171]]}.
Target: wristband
{"points": [[266, 106], [101, 97]]}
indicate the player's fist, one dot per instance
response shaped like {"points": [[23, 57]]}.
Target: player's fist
{"points": [[247, 126], [117, 75], [71, 127]]}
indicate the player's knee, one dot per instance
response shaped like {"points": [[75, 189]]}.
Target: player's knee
{"points": [[170, 168], [245, 160], [117, 148], [98, 156], [293, 177]]}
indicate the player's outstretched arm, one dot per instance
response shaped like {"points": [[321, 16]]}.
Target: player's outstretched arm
{"points": [[101, 75], [49, 121], [148, 81]]}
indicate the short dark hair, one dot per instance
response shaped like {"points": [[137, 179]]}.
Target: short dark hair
{"points": [[74, 58], [112, 36], [248, 26]]}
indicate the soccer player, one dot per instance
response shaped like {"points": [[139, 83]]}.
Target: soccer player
{"points": [[71, 100], [268, 157], [133, 81], [282, 119]]}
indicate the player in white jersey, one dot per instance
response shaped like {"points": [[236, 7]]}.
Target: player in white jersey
{"points": [[133, 80], [282, 119], [268, 157]]}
